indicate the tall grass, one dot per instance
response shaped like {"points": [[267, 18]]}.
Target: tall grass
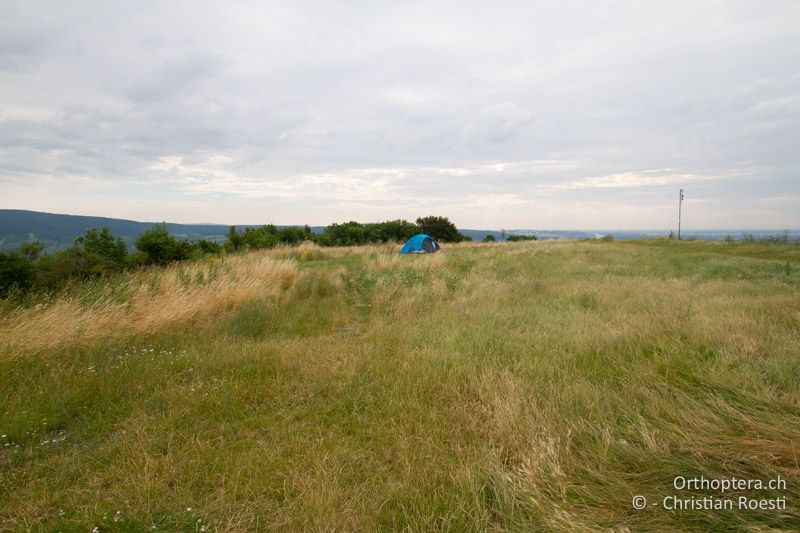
{"points": [[147, 301], [534, 386]]}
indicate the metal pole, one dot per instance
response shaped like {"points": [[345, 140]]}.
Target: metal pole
{"points": [[680, 205]]}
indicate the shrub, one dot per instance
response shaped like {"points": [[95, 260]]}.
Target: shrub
{"points": [[203, 248], [347, 234], [160, 248], [266, 236], [440, 228], [391, 230], [94, 254], [17, 273], [233, 240], [102, 246]]}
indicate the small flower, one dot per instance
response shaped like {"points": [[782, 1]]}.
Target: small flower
{"points": [[188, 509]]}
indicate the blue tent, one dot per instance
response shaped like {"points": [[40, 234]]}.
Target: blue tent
{"points": [[420, 244]]}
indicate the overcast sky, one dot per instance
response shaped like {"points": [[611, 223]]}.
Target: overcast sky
{"points": [[546, 115]]}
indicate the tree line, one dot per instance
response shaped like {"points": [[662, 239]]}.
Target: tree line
{"points": [[99, 253]]}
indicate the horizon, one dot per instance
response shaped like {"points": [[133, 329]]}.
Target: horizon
{"points": [[542, 229], [546, 115]]}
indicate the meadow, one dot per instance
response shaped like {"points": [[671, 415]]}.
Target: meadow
{"points": [[532, 386]]}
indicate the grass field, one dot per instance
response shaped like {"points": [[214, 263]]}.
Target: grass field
{"points": [[533, 386]]}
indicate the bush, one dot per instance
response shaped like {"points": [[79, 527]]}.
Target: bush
{"points": [[354, 233], [347, 234], [102, 246], [266, 237], [94, 254], [392, 230], [17, 274], [233, 240], [514, 238], [489, 238], [440, 228], [159, 247], [203, 248]]}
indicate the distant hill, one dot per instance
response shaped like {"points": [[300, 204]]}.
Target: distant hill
{"points": [[59, 231]]}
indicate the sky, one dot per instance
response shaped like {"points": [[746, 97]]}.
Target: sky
{"points": [[535, 115]]}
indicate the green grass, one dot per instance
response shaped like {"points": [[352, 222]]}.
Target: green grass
{"points": [[533, 386]]}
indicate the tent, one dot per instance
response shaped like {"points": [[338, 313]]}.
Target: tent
{"points": [[420, 244]]}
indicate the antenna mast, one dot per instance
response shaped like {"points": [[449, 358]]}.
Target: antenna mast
{"points": [[680, 205]]}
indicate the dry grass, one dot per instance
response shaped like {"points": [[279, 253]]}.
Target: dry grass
{"points": [[148, 301], [525, 387]]}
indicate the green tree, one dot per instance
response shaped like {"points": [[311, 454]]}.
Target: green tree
{"points": [[513, 238], [233, 240], [266, 237], [440, 228], [16, 273], [392, 230], [293, 234], [96, 253], [30, 250], [203, 248], [347, 234], [489, 238], [263, 237], [159, 247], [101, 248]]}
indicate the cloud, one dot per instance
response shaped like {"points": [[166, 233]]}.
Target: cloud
{"points": [[646, 178], [329, 112], [498, 124]]}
